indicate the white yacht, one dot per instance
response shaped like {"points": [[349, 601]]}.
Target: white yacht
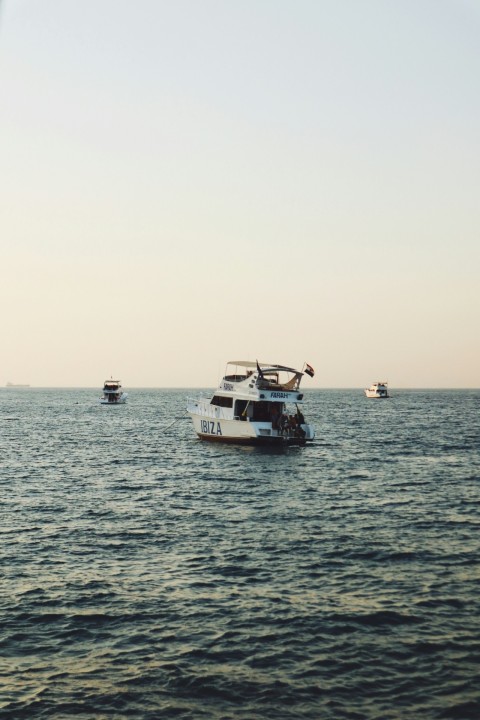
{"points": [[113, 393], [255, 403], [377, 390]]}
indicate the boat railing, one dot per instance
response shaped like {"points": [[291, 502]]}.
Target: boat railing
{"points": [[202, 406]]}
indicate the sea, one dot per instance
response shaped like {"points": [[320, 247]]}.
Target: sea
{"points": [[147, 574]]}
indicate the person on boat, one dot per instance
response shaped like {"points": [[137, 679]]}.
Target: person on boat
{"points": [[283, 423], [296, 424], [299, 417], [274, 416]]}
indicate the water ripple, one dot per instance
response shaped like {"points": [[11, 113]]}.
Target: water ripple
{"points": [[147, 574]]}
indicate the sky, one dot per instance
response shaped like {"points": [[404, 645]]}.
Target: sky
{"points": [[184, 183]]}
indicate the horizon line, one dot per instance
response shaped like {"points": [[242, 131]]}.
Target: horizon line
{"points": [[208, 387]]}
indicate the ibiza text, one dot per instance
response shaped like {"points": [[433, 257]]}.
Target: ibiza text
{"points": [[210, 427]]}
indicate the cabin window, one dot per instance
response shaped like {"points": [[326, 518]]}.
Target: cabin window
{"points": [[222, 401], [262, 411]]}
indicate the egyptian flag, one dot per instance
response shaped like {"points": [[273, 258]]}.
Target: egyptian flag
{"points": [[309, 370]]}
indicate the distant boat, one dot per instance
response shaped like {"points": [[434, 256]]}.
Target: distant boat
{"points": [[250, 406], [113, 393], [15, 385], [377, 390]]}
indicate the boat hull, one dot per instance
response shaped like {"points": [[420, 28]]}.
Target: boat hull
{"points": [[118, 401], [247, 433]]}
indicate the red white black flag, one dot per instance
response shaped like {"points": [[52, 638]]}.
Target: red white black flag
{"points": [[309, 370]]}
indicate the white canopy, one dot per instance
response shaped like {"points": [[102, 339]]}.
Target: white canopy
{"points": [[262, 365]]}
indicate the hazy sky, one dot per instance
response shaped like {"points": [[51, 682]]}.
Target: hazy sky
{"points": [[182, 183]]}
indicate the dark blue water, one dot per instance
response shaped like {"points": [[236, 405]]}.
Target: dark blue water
{"points": [[146, 574]]}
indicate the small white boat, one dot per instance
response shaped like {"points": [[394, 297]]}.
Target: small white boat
{"points": [[377, 390], [113, 393], [255, 403]]}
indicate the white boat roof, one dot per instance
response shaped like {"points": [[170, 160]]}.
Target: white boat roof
{"points": [[269, 366]]}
